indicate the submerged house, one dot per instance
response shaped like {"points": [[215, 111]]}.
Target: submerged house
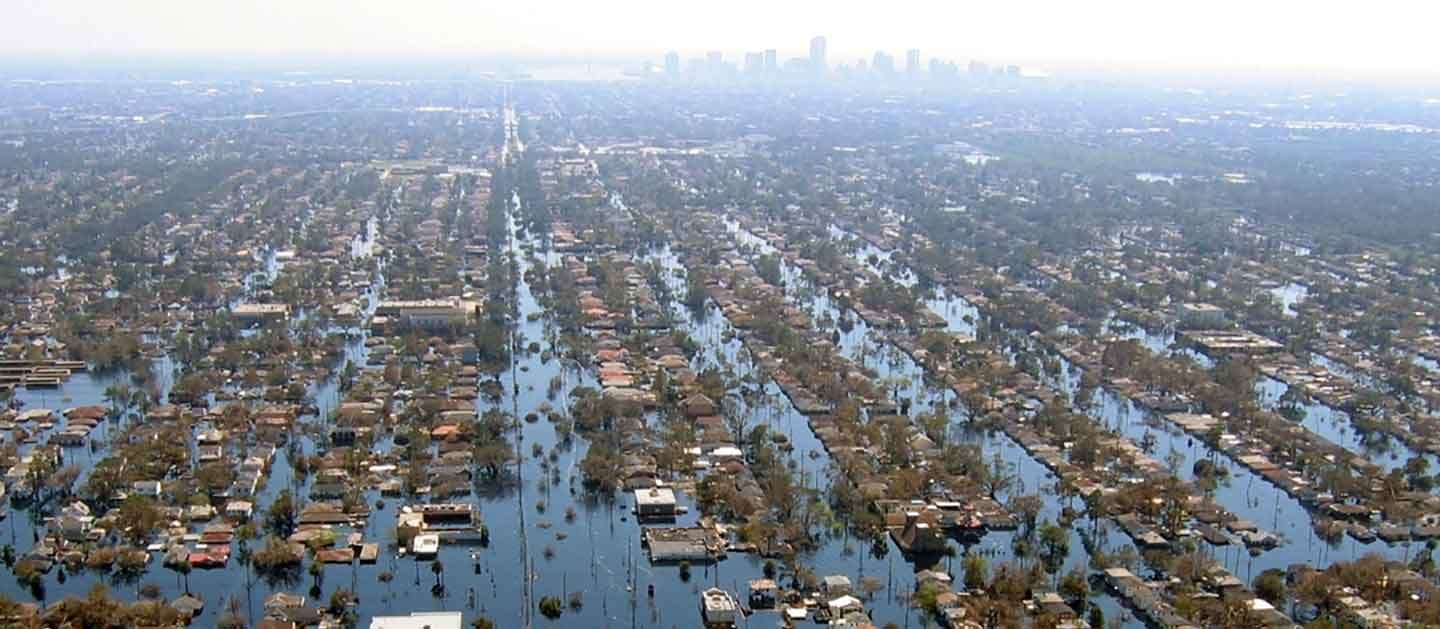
{"points": [[918, 536], [719, 608], [655, 503]]}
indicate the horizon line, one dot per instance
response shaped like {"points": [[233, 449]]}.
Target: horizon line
{"points": [[330, 61]]}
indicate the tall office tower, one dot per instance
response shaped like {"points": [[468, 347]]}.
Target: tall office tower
{"points": [[978, 69], [672, 63], [772, 61], [817, 55], [882, 64], [943, 70], [754, 62], [912, 62]]}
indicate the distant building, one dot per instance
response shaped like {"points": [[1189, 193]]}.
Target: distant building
{"points": [[672, 63], [1201, 315], [670, 544], [912, 62], [420, 620], [943, 69], [425, 313], [772, 61], [719, 608], [754, 62], [918, 535], [260, 313], [425, 545], [882, 64], [836, 585], [764, 593], [978, 69], [655, 502], [817, 55]]}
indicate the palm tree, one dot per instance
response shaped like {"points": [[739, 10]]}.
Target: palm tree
{"points": [[183, 568], [119, 396], [242, 549], [438, 569]]}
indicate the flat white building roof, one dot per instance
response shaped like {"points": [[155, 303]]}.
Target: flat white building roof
{"points": [[654, 496], [419, 620]]}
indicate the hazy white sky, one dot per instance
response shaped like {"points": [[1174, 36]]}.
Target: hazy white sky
{"points": [[1331, 37]]}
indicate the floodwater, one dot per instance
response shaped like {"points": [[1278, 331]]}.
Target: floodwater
{"points": [[538, 548], [1290, 295], [1243, 493], [1031, 476]]}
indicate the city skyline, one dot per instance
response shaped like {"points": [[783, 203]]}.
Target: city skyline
{"points": [[1116, 36]]}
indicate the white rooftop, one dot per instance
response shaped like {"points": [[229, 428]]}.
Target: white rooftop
{"points": [[655, 496], [419, 620]]}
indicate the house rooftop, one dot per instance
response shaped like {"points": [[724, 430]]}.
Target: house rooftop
{"points": [[419, 620]]}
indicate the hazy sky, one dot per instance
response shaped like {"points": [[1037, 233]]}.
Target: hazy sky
{"points": [[1389, 38]]}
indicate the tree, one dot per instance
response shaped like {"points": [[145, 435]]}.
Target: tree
{"points": [[281, 515], [998, 479], [1028, 507], [936, 425], [106, 477], [97, 609], [492, 457], [183, 569], [341, 604], [277, 554], [1270, 585], [138, 518], [214, 477], [552, 607], [602, 465], [1417, 473], [977, 571], [925, 597], [896, 440], [438, 569], [1054, 544], [317, 572], [119, 395], [1074, 587], [975, 402], [736, 418]]}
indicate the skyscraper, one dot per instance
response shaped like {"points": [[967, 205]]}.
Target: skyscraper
{"points": [[943, 70], [912, 62], [754, 62], [882, 64], [672, 63], [715, 66], [772, 61], [817, 55]]}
